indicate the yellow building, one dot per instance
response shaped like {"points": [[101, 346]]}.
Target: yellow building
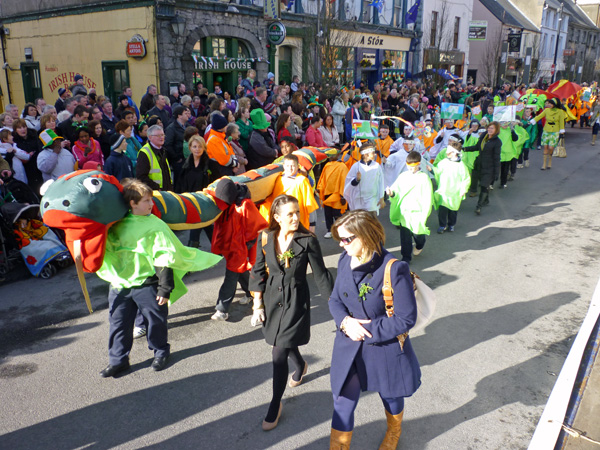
{"points": [[41, 56]]}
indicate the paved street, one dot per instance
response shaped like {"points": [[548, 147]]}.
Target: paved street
{"points": [[512, 286]]}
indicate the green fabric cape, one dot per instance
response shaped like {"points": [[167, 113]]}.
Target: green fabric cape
{"points": [[510, 148], [453, 182], [411, 204], [136, 244], [468, 158]]}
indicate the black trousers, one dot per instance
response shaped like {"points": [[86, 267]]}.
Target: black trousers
{"points": [[524, 156], [123, 305], [331, 214], [504, 170], [406, 240], [447, 217], [227, 291]]}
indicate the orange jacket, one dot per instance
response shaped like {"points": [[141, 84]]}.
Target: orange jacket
{"points": [[219, 149]]}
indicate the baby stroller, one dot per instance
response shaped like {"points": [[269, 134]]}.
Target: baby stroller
{"points": [[40, 248]]}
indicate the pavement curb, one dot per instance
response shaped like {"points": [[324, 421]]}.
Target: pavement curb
{"points": [[564, 399]]}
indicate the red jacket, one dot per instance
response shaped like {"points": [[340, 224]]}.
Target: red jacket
{"points": [[314, 137], [234, 229]]}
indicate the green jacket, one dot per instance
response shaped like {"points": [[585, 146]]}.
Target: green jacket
{"points": [[245, 131], [411, 201], [137, 244], [453, 181]]}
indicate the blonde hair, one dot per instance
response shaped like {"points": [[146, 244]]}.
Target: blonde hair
{"points": [[134, 190], [199, 139]]}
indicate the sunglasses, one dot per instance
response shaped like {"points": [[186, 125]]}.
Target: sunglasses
{"points": [[347, 240]]}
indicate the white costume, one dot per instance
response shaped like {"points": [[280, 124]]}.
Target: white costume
{"points": [[17, 161], [369, 190]]}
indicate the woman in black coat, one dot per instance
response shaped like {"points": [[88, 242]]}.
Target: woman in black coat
{"points": [[281, 295], [195, 177], [487, 165]]}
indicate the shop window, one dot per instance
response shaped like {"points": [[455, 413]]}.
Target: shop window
{"points": [[243, 51], [218, 45], [398, 12], [433, 28], [366, 11], [397, 57], [115, 76]]}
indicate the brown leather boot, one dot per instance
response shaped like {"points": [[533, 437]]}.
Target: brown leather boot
{"points": [[340, 440], [394, 429]]}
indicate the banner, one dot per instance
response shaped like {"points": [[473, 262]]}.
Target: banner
{"points": [[477, 30], [505, 113], [365, 129], [452, 111]]}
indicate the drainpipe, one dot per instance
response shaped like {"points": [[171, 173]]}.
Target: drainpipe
{"points": [[4, 59]]}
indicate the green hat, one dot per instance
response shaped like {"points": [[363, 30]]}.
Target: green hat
{"points": [[310, 105], [259, 121], [48, 137]]}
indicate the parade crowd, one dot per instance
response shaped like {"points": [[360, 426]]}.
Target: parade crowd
{"points": [[416, 160]]}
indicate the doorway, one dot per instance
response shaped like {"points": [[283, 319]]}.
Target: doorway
{"points": [[115, 76], [32, 83], [285, 64]]}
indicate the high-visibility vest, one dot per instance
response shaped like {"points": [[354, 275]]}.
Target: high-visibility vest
{"points": [[155, 173]]}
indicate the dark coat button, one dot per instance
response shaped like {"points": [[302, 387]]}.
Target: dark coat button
{"points": [[282, 273], [280, 289], [345, 294], [279, 304], [351, 314], [370, 276]]}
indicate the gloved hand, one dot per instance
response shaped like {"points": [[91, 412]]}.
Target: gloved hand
{"points": [[561, 131], [343, 201], [258, 317], [532, 122]]}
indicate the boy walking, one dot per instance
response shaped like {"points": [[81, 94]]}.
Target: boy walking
{"points": [[144, 263], [411, 199]]}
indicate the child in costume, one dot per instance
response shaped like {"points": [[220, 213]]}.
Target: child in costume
{"points": [[396, 163], [411, 199], [532, 131], [234, 237], [453, 180], [293, 183], [144, 263], [331, 191], [364, 186], [509, 137], [384, 143]]}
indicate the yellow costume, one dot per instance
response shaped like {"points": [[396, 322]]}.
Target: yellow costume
{"points": [[299, 188]]}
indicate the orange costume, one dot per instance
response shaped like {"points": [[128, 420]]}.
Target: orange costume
{"points": [[429, 142], [298, 187], [383, 147], [331, 184]]}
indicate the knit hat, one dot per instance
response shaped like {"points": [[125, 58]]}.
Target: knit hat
{"points": [[48, 137], [116, 140], [226, 191], [122, 97], [61, 91], [259, 121], [218, 122], [78, 77], [269, 108], [270, 75]]}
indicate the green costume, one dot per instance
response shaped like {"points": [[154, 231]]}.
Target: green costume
{"points": [[532, 131], [468, 158], [512, 149], [137, 244], [411, 201], [453, 181]]}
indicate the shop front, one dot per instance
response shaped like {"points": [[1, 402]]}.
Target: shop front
{"points": [[453, 61], [118, 54], [222, 61], [373, 57]]}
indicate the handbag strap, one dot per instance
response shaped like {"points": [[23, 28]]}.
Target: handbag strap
{"points": [[387, 290]]}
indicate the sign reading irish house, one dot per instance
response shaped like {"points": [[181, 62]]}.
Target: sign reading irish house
{"points": [[229, 64]]}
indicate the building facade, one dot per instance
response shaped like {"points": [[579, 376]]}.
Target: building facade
{"points": [[140, 42]]}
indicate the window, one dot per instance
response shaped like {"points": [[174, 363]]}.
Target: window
{"points": [[219, 50], [398, 12], [551, 49], [366, 11], [456, 31], [434, 25]]}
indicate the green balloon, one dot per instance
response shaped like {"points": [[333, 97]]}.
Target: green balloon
{"points": [[220, 79]]}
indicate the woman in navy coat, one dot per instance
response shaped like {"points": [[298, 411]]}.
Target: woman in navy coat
{"points": [[369, 352], [281, 295]]}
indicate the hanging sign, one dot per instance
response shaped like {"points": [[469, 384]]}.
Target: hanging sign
{"points": [[136, 47], [514, 42], [276, 33], [477, 30]]}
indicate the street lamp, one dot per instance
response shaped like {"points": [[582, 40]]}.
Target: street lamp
{"points": [[559, 12], [178, 25]]}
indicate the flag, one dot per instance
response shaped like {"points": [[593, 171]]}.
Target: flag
{"points": [[289, 5], [379, 4], [411, 15]]}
